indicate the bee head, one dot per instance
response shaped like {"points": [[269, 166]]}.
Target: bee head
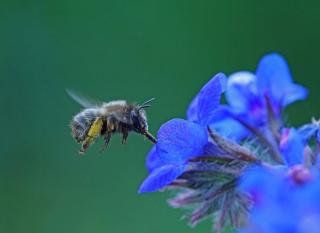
{"points": [[139, 120], [138, 116]]}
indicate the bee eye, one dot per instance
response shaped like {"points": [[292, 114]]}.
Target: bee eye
{"points": [[133, 114], [135, 119]]}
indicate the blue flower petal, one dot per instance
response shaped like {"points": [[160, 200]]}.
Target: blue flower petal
{"points": [[192, 112], [252, 179], [153, 159], [292, 147], [179, 140], [318, 137], [293, 93], [226, 125], [203, 106], [209, 98], [274, 78], [231, 129], [161, 177], [241, 89], [273, 75]]}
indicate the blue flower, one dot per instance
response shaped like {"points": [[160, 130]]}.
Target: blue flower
{"points": [[180, 140], [275, 82], [257, 100], [167, 160], [229, 161]]}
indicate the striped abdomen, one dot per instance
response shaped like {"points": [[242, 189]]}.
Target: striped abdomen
{"points": [[82, 122]]}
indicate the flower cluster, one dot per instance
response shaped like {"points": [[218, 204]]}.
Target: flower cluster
{"points": [[238, 162]]}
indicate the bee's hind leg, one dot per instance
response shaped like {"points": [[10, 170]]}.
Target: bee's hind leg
{"points": [[124, 136], [93, 133]]}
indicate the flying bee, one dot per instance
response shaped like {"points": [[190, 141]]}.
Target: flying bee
{"points": [[108, 118]]}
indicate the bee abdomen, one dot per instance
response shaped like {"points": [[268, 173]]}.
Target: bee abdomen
{"points": [[82, 122]]}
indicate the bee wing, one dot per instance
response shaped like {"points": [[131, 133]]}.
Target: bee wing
{"points": [[82, 100]]}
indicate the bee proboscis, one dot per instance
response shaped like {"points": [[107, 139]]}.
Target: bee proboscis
{"points": [[105, 119]]}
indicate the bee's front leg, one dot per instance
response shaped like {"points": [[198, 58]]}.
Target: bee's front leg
{"points": [[107, 137]]}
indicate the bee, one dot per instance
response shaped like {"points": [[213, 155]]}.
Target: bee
{"points": [[107, 118]]}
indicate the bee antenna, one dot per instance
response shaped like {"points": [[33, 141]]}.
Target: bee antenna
{"points": [[146, 103], [145, 106]]}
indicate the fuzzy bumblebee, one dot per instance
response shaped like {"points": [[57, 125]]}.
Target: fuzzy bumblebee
{"points": [[106, 119]]}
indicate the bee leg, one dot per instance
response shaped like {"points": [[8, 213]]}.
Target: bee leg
{"points": [[107, 137], [124, 136], [111, 124], [84, 147], [93, 133]]}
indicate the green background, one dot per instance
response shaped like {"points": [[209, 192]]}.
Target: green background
{"points": [[134, 50]]}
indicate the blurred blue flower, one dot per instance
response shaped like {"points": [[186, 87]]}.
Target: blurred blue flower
{"points": [[283, 204], [285, 196]]}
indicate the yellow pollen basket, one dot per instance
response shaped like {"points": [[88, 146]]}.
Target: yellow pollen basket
{"points": [[94, 131]]}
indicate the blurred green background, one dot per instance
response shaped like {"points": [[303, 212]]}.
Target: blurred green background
{"points": [[120, 49]]}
